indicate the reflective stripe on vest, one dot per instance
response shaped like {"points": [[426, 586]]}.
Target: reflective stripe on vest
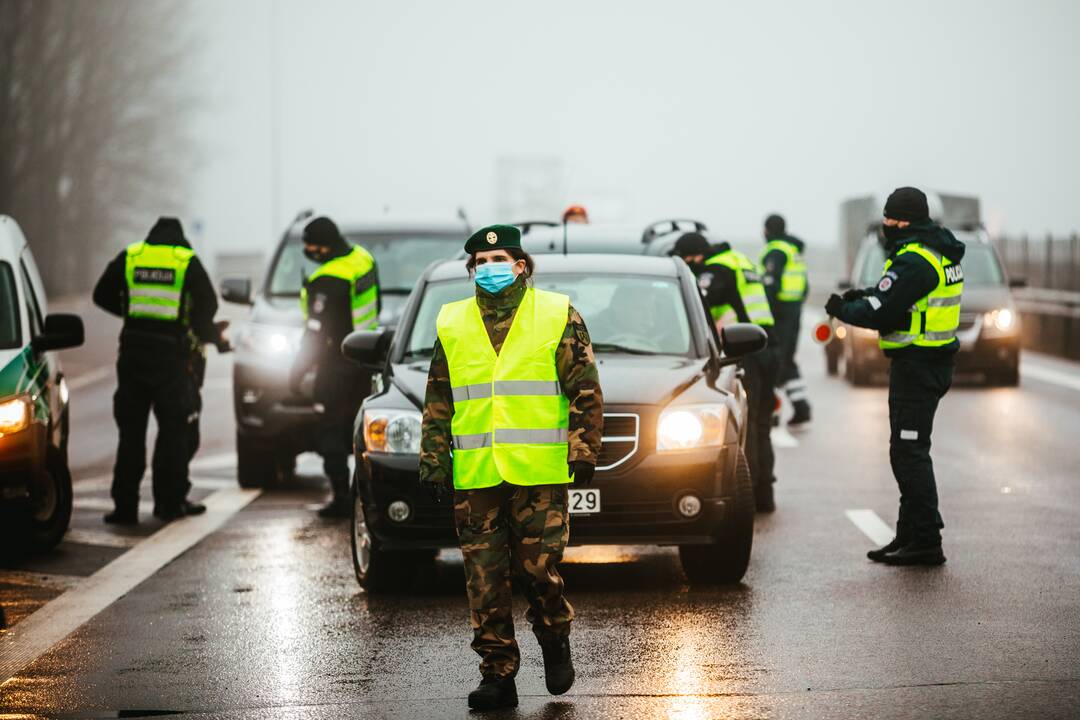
{"points": [[155, 281], [749, 287], [793, 279], [357, 269], [511, 417], [934, 318]]}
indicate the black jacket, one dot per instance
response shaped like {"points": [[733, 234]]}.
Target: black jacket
{"points": [[886, 306], [111, 295]]}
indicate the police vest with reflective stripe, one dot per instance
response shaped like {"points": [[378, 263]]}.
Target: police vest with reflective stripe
{"points": [[934, 318], [749, 286], [155, 281], [357, 269], [793, 279], [511, 420]]}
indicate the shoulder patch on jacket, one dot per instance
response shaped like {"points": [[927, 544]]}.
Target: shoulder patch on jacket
{"points": [[582, 334]]}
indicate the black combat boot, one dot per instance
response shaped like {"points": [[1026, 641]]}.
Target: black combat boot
{"points": [[493, 693], [917, 552], [339, 507], [175, 512], [879, 554], [122, 517], [802, 414], [764, 502], [558, 667]]}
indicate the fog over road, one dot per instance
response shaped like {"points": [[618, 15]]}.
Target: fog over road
{"points": [[253, 612]]}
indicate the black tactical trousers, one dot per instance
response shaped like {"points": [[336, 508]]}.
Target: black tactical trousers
{"points": [[158, 382], [788, 324], [760, 382], [334, 444], [915, 387]]}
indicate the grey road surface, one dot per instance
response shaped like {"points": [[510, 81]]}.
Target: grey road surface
{"points": [[262, 618]]}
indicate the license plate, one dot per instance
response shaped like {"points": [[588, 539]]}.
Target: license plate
{"points": [[585, 501]]}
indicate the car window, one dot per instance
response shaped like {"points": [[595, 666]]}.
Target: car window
{"points": [[400, 258], [10, 332], [636, 313], [33, 307], [31, 270], [980, 263]]}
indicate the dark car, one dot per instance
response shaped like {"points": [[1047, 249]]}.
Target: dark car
{"points": [[989, 331], [672, 468], [273, 426]]}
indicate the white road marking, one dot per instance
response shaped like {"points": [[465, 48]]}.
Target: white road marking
{"points": [[106, 504], [102, 538], [38, 579], [89, 377], [219, 461], [871, 525], [782, 437], [57, 619], [1049, 375], [104, 482]]}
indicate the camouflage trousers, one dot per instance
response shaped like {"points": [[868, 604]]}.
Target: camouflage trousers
{"points": [[512, 534]]}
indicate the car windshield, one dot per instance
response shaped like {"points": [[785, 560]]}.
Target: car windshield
{"points": [[10, 335], [400, 258], [980, 263], [624, 313]]}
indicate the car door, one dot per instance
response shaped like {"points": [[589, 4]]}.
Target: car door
{"points": [[42, 365]]}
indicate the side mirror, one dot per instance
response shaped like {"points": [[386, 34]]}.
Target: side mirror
{"points": [[61, 331], [368, 348], [740, 340], [1018, 283], [236, 290], [844, 285]]}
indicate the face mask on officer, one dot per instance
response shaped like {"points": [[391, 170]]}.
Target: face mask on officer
{"points": [[696, 263], [893, 232], [316, 253], [497, 272]]}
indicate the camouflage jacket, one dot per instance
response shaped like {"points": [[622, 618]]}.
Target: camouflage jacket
{"points": [[577, 371]]}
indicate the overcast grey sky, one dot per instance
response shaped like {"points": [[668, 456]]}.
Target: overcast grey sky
{"points": [[723, 111]]}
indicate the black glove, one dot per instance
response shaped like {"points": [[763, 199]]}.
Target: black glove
{"points": [[853, 294], [833, 306], [439, 492], [582, 472], [221, 342]]}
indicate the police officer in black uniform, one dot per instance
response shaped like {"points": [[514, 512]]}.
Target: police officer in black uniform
{"points": [[339, 385], [719, 288], [163, 293], [197, 370], [915, 308]]}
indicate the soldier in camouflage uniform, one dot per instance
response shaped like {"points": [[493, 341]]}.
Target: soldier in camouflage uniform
{"points": [[512, 531]]}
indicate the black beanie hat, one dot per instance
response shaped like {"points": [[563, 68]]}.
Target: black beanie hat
{"points": [[322, 232], [775, 226], [907, 203], [690, 244], [167, 231]]}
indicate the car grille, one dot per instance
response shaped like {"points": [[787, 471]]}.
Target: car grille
{"points": [[620, 440]]}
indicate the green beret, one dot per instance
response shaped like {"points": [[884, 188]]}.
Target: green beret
{"points": [[494, 237]]}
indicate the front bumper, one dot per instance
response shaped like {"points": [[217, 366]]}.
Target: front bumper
{"points": [[266, 409], [977, 354], [638, 501], [22, 457]]}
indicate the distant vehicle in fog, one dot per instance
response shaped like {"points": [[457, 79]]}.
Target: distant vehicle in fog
{"points": [[273, 426]]}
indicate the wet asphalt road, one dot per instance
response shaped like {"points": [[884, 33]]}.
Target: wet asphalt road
{"points": [[263, 618]]}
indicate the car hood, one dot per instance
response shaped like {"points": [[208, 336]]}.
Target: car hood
{"points": [[620, 377], [984, 299], [284, 310]]}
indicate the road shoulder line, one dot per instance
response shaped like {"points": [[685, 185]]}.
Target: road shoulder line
{"points": [[871, 525], [57, 619]]}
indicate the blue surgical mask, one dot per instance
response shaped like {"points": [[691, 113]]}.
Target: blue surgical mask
{"points": [[493, 277]]}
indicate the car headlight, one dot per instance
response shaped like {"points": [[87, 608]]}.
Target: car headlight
{"points": [[1002, 321], [271, 341], [14, 415], [396, 432], [690, 427]]}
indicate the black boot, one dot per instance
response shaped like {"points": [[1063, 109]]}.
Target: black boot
{"points": [[175, 512], [879, 554], [339, 507], [558, 667], [917, 553], [801, 415], [122, 517], [764, 501], [494, 693]]}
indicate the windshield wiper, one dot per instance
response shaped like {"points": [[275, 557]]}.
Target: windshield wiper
{"points": [[612, 347]]}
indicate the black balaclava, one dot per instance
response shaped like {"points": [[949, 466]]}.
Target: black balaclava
{"points": [[775, 227], [167, 231], [323, 233], [905, 203], [691, 244]]}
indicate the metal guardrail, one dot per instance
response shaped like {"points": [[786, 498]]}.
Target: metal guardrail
{"points": [[1047, 301]]}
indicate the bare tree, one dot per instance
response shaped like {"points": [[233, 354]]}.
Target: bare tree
{"points": [[95, 101]]}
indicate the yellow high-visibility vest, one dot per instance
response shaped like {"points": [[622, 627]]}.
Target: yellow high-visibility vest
{"points": [[934, 318], [750, 289], [793, 279], [357, 269], [511, 419], [155, 281]]}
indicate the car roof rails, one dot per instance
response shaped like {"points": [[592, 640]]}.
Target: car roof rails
{"points": [[663, 227], [527, 225]]}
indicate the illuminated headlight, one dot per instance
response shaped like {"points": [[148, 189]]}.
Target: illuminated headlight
{"points": [[14, 415], [1002, 321], [273, 341], [689, 427], [392, 431]]}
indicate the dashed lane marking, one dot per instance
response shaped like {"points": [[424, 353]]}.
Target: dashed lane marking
{"points": [[106, 504], [90, 377], [61, 616], [104, 482], [219, 461], [102, 538], [871, 525]]}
